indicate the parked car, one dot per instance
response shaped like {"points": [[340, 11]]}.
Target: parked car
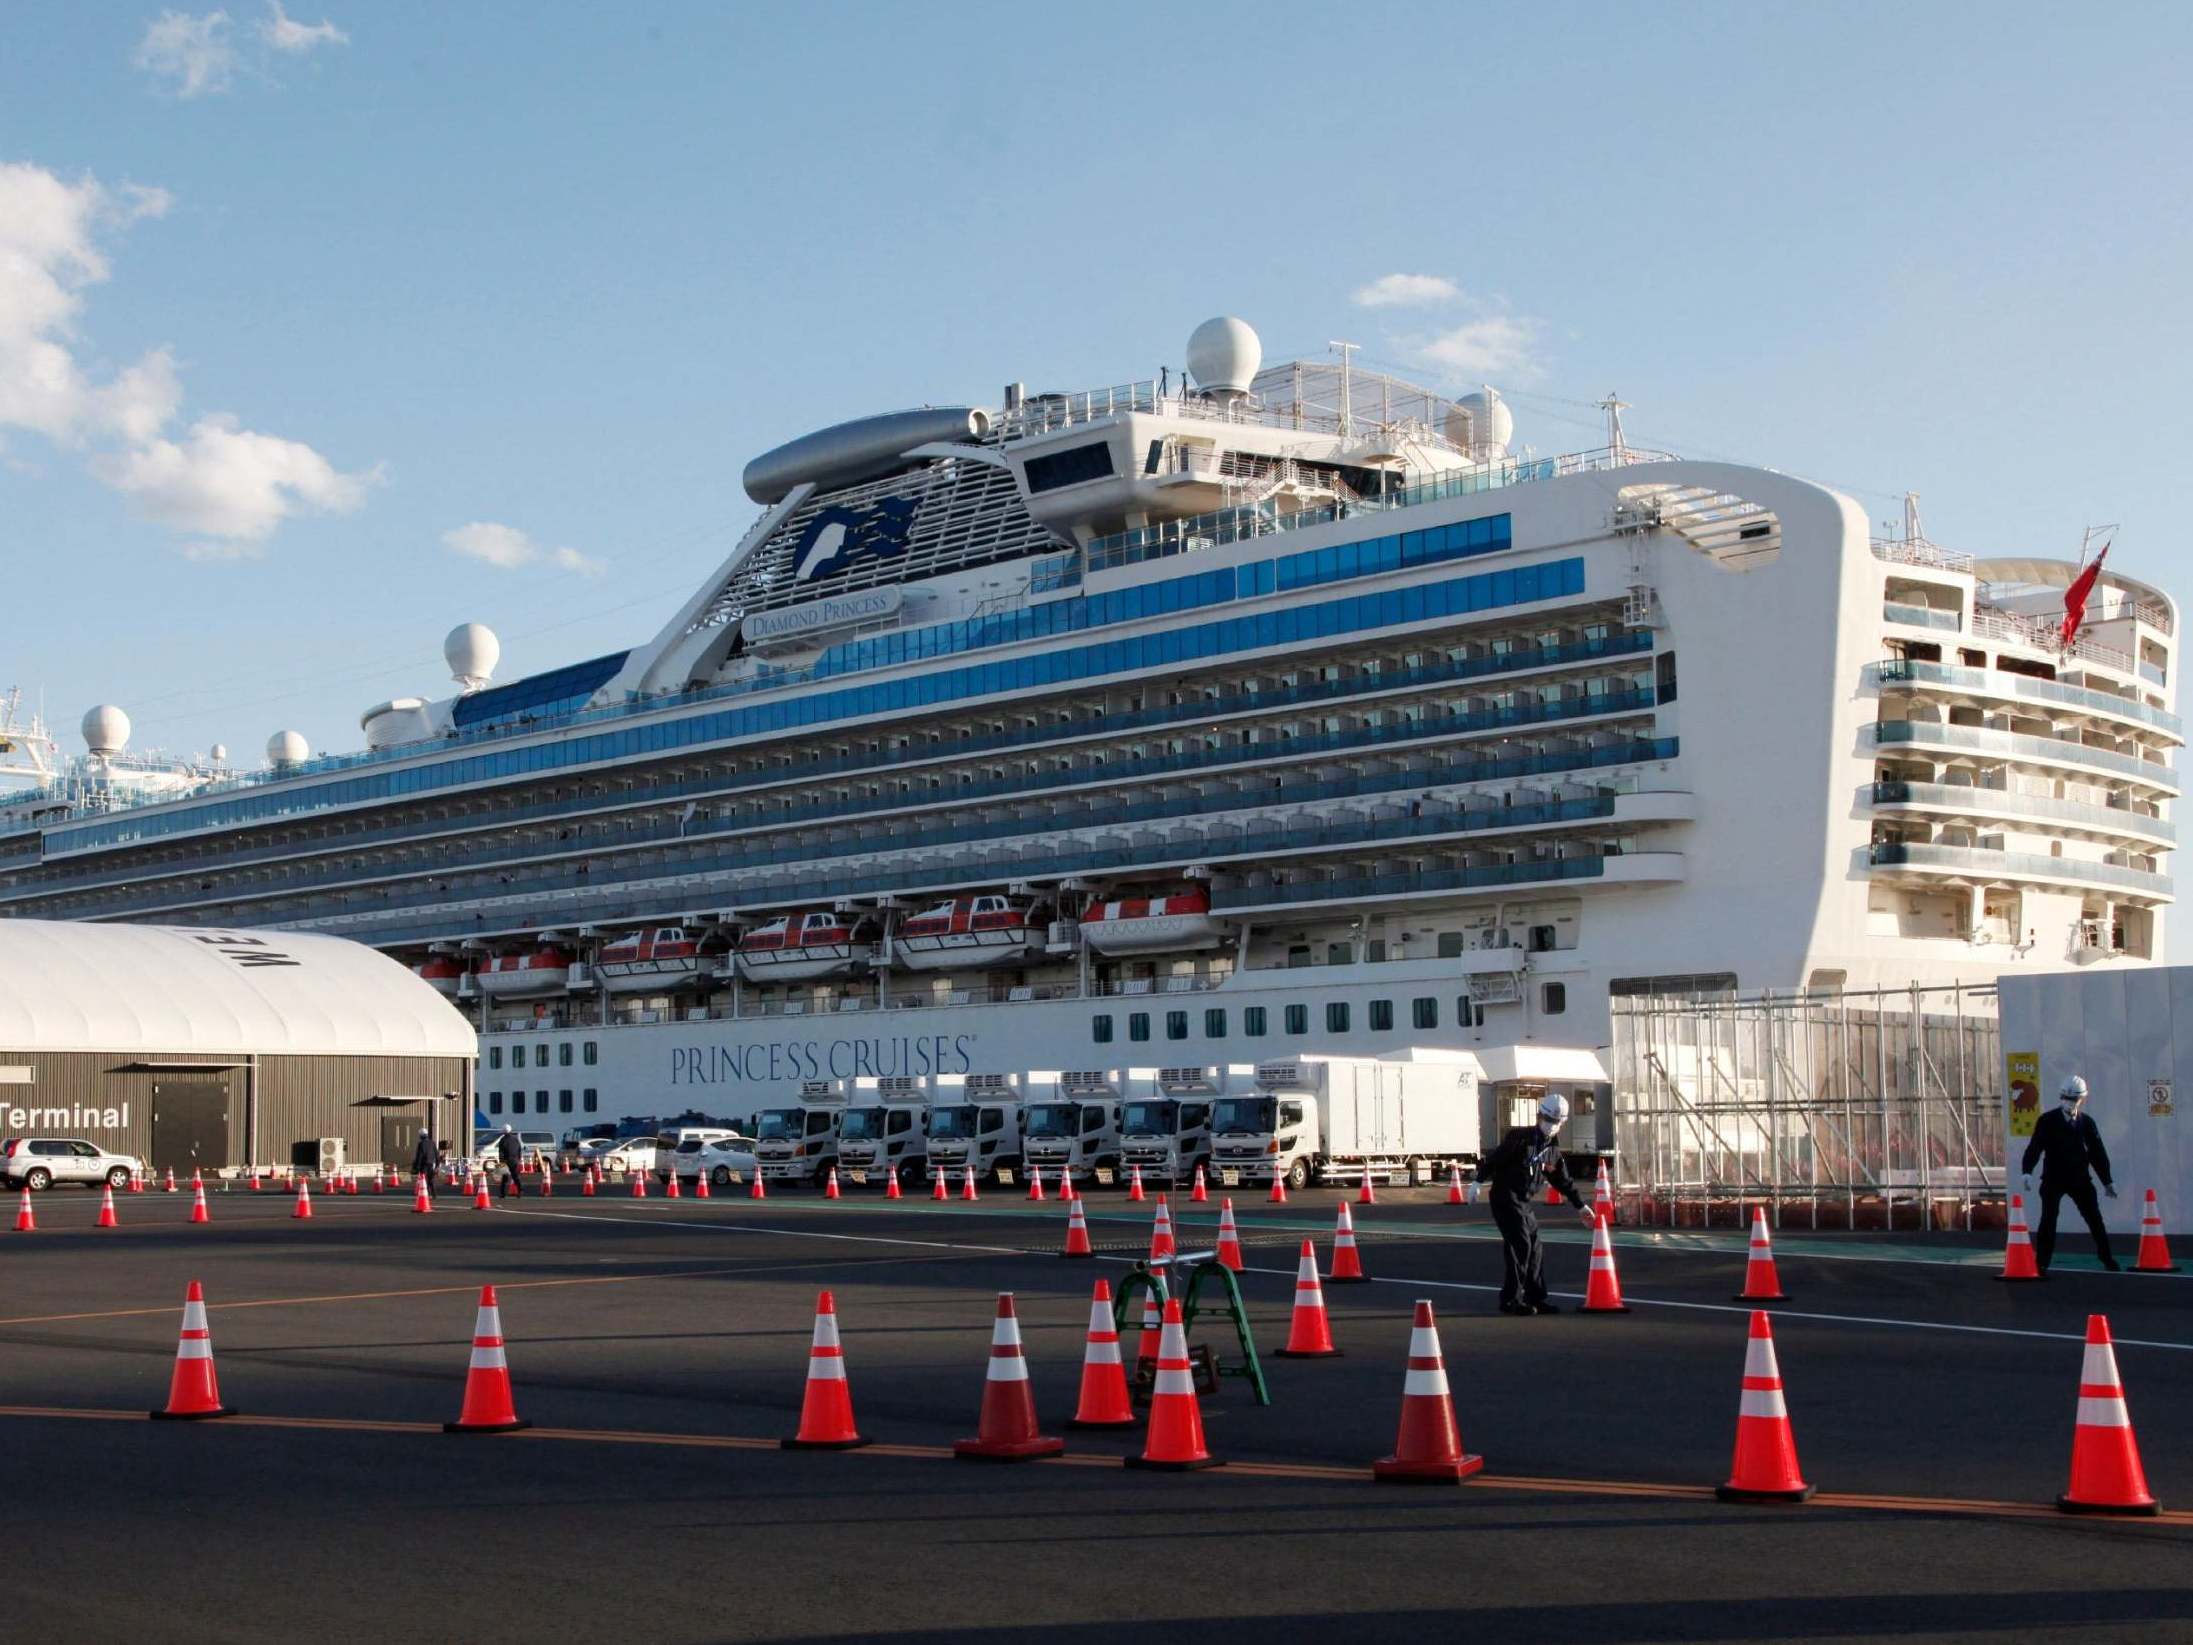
{"points": [[538, 1146], [39, 1163], [589, 1152], [627, 1154], [679, 1150], [726, 1159]]}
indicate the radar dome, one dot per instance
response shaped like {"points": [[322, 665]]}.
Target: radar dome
{"points": [[106, 730], [472, 652], [1223, 355], [287, 748], [1481, 424], [220, 753]]}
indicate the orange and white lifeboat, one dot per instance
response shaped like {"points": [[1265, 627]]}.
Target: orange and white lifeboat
{"points": [[969, 931], [443, 973], [649, 960], [1142, 925], [800, 947], [537, 971]]}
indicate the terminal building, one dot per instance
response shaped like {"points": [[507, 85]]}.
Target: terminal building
{"points": [[215, 1049]]}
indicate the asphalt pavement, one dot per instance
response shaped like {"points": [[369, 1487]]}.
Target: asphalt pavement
{"points": [[659, 1347]]}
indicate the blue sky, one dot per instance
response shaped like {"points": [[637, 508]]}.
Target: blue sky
{"points": [[292, 306]]}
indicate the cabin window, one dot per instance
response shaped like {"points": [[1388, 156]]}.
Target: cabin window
{"points": [[563, 1102], [1468, 1013], [1138, 1025], [563, 1055], [494, 1056], [517, 1102], [1663, 677], [1100, 1029], [591, 1099], [1253, 1021], [494, 1102], [1214, 1025], [1553, 998], [1070, 467], [1298, 1019], [540, 1055], [1381, 1014], [1424, 1012], [1176, 1025], [1336, 1017], [1450, 944], [590, 1053]]}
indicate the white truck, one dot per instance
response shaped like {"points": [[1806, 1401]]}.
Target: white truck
{"points": [[799, 1143], [1077, 1124], [1166, 1130], [885, 1128], [974, 1120], [1327, 1118]]}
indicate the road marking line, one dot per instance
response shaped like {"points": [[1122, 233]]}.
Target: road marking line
{"points": [[1323, 1473]]}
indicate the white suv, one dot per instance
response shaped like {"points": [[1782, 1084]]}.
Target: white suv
{"points": [[679, 1149], [39, 1163]]}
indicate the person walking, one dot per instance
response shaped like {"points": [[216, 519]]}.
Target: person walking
{"points": [[1516, 1173], [2068, 1145], [426, 1159], [512, 1153]]}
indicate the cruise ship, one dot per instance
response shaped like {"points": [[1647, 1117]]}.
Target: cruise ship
{"points": [[1277, 709]]}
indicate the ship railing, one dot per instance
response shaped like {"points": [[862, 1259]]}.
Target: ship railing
{"points": [[1918, 551], [2002, 683]]}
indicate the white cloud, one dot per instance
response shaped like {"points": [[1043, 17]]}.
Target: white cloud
{"points": [[508, 548], [224, 481], [1492, 346], [193, 54], [284, 33], [1407, 291]]}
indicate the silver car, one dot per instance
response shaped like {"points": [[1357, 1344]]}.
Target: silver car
{"points": [[39, 1163]]}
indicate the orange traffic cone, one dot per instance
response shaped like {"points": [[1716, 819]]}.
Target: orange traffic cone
{"points": [[137, 1182], [1366, 1195], [1602, 1290], [586, 1185], [1454, 1185], [193, 1392], [1161, 1233], [303, 1208], [757, 1188], [1104, 1401], [350, 1183], [1229, 1238], [639, 1185], [487, 1405], [198, 1211], [2106, 1477], [1175, 1439], [1309, 1332], [106, 1208], [937, 1189], [480, 1201], [2154, 1257], [422, 1197], [891, 1185], [1602, 1193], [380, 1184], [1278, 1195], [548, 1182], [2018, 1260], [1007, 1430], [826, 1412], [830, 1184], [1347, 1262], [700, 1187], [1761, 1284], [1035, 1182], [670, 1189], [1077, 1232], [26, 1220], [1200, 1195], [1066, 1182], [1765, 1467], [967, 1185], [1134, 1186], [1153, 1326], [171, 1179], [1428, 1450]]}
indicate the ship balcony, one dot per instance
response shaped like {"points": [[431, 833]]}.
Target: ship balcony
{"points": [[2022, 748], [1940, 682], [1979, 802], [1983, 866], [1358, 885]]}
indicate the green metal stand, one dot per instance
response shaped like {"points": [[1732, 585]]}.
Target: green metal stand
{"points": [[1142, 1278]]}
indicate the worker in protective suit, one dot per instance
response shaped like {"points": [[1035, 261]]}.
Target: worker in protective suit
{"points": [[1515, 1174], [2068, 1145]]}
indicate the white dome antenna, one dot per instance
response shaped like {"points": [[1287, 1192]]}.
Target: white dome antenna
{"points": [[286, 748], [1223, 357], [1482, 425], [220, 753], [472, 652], [106, 731]]}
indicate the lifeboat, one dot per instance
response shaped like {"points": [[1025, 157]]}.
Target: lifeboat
{"points": [[969, 931], [1142, 925], [542, 970], [649, 961], [442, 973], [801, 947]]}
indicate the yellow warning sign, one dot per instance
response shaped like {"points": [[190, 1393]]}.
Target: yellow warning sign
{"points": [[2160, 1102], [2022, 1072]]}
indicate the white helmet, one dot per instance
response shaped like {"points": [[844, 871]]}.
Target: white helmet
{"points": [[2073, 1090], [1554, 1109]]}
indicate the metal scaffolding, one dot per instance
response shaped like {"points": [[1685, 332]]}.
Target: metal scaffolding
{"points": [[1856, 1110]]}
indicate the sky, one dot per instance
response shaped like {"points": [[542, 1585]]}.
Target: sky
{"points": [[323, 330]]}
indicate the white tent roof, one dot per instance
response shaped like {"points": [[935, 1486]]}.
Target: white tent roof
{"points": [[156, 990]]}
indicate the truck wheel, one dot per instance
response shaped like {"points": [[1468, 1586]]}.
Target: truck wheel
{"points": [[1298, 1176]]}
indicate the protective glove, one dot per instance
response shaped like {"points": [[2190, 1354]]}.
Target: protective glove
{"points": [[2110, 1189], [1589, 1216], [2027, 1179]]}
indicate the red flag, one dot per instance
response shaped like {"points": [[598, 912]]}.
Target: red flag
{"points": [[2075, 599]]}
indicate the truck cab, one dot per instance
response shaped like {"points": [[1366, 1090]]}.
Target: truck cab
{"points": [[1167, 1133], [885, 1129], [1076, 1124], [1275, 1129], [975, 1120], [799, 1143]]}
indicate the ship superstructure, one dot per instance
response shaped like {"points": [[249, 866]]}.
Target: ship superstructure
{"points": [[1282, 709]]}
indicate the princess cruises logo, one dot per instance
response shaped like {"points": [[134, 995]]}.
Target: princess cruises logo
{"points": [[840, 537]]}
